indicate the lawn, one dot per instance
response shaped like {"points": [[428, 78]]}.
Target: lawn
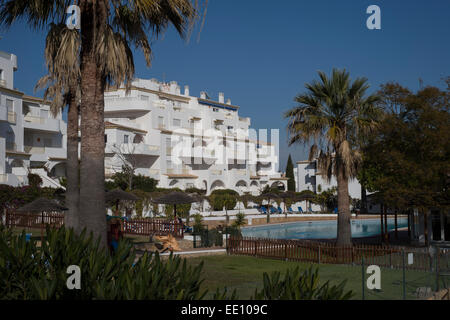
{"points": [[245, 274]]}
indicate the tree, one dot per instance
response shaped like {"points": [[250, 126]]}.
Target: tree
{"points": [[62, 85], [290, 174], [107, 30], [407, 159], [330, 117]]}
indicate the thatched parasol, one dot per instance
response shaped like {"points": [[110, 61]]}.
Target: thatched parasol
{"points": [[287, 195], [116, 195], [42, 205], [306, 197], [269, 196], [175, 198]]}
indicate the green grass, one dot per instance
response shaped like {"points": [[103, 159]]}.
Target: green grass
{"points": [[245, 275]]}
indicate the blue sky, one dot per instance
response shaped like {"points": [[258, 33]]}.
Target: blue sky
{"points": [[261, 53]]}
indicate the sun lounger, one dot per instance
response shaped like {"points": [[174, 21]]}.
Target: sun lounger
{"points": [[291, 211], [280, 211], [300, 210], [264, 210], [273, 210]]}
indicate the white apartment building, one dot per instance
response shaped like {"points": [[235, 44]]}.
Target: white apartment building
{"points": [[185, 141], [31, 139], [308, 177]]}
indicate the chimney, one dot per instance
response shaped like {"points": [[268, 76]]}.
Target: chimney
{"points": [[178, 90], [203, 95], [186, 90], [229, 101], [221, 97]]}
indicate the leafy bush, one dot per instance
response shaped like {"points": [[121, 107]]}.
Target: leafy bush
{"points": [[15, 197], [29, 272], [240, 220], [300, 286], [219, 200], [210, 238], [34, 180], [198, 223], [139, 182]]}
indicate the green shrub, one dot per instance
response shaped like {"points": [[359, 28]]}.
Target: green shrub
{"points": [[300, 286], [34, 180], [29, 272], [240, 220], [220, 200], [198, 223]]}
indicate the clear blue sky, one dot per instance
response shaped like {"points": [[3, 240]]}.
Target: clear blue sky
{"points": [[261, 53]]}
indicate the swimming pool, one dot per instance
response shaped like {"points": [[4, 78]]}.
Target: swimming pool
{"points": [[326, 229]]}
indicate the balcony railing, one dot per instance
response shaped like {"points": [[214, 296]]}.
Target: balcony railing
{"points": [[240, 172], [35, 119], [178, 171], [12, 117], [34, 150]]}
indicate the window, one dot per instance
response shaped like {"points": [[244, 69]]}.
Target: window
{"points": [[125, 138], [215, 109], [160, 122], [176, 122], [144, 98], [106, 138], [10, 105]]}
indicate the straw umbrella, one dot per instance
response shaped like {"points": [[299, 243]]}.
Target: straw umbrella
{"points": [[306, 197], [117, 195], [42, 205], [175, 198], [269, 196], [287, 195]]}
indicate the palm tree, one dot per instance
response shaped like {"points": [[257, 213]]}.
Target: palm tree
{"points": [[108, 27], [330, 117], [62, 85]]}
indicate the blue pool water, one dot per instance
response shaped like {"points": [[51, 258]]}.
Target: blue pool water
{"points": [[326, 229]]}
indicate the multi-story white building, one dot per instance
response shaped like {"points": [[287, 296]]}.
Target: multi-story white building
{"points": [[185, 141], [308, 177], [31, 139]]}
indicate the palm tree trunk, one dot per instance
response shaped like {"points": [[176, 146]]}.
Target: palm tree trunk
{"points": [[344, 232], [92, 173], [73, 170]]}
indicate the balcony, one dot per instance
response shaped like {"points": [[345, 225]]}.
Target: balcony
{"points": [[41, 124], [133, 149], [126, 104], [43, 153]]}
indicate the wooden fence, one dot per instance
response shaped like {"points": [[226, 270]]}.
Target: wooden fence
{"points": [[147, 227], [35, 220], [324, 252], [143, 227]]}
